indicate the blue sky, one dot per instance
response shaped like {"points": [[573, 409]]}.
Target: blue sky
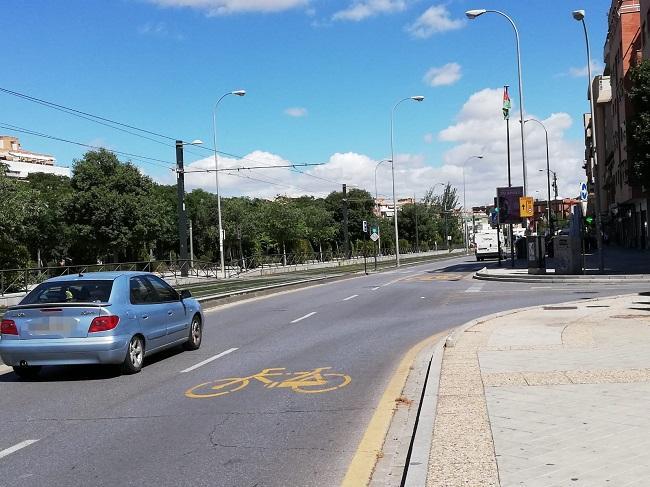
{"points": [[321, 76]]}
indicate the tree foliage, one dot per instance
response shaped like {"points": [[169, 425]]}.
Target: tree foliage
{"points": [[109, 211], [639, 128]]}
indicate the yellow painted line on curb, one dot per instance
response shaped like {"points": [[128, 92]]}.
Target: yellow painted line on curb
{"points": [[365, 458]]}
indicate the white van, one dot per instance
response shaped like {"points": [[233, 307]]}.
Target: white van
{"points": [[486, 246]]}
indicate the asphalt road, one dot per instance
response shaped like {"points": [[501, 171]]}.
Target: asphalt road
{"points": [[93, 427]]}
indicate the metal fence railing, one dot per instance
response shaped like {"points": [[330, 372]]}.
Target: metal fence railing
{"points": [[23, 280]]}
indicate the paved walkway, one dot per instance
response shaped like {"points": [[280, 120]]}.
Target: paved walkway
{"points": [[553, 396]]}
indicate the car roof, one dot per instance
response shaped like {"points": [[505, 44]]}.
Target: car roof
{"points": [[94, 276]]}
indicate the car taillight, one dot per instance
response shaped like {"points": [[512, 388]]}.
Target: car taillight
{"points": [[103, 323], [8, 327]]}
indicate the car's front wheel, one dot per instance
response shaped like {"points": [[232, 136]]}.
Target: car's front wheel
{"points": [[196, 334], [134, 356], [28, 371]]}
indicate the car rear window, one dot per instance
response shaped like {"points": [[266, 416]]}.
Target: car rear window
{"points": [[70, 292]]}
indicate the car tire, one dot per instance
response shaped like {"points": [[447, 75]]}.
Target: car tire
{"points": [[27, 372], [196, 334], [134, 356]]}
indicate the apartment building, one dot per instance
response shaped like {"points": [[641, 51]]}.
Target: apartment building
{"points": [[20, 163], [624, 206]]}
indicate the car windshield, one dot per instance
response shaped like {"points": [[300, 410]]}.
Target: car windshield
{"points": [[70, 292]]}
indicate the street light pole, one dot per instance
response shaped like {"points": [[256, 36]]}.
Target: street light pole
{"points": [[465, 204], [216, 173], [392, 169], [472, 14], [548, 173], [579, 15]]}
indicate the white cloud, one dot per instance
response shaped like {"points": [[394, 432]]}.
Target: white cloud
{"points": [[444, 75], [479, 129], [362, 9], [434, 20], [223, 7], [597, 67], [296, 112], [159, 29]]}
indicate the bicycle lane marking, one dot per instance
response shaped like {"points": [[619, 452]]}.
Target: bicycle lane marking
{"points": [[313, 381], [303, 317], [208, 360]]}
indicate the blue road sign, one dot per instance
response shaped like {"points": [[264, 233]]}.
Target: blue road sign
{"points": [[583, 191]]}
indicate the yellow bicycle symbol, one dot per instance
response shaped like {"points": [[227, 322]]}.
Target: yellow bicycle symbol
{"points": [[310, 382]]}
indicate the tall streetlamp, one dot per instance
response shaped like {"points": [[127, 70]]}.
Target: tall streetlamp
{"points": [[472, 14], [392, 169], [548, 173], [182, 214], [579, 15], [464, 202], [216, 172]]}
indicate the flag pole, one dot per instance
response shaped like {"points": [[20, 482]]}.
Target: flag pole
{"points": [[506, 114]]}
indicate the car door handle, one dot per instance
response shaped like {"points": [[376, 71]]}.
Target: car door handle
{"points": [[144, 317], [170, 312]]}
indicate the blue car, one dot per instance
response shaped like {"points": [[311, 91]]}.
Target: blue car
{"points": [[98, 318]]}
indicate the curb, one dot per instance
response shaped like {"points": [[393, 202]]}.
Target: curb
{"points": [[417, 469], [484, 275]]}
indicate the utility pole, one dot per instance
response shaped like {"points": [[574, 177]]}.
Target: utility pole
{"points": [[346, 237], [182, 216]]}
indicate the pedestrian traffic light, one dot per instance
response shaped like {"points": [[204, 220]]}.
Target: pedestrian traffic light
{"points": [[365, 226]]}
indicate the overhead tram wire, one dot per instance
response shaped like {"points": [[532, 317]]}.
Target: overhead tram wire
{"points": [[146, 159], [107, 122]]}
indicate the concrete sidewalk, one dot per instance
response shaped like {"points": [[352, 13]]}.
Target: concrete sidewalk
{"points": [[548, 396]]}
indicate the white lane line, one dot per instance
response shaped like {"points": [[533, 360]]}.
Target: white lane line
{"points": [[15, 448], [208, 360], [422, 297], [351, 297], [304, 317], [375, 288], [4, 369], [476, 288]]}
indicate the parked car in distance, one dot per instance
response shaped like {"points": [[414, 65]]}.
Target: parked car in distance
{"points": [[98, 318]]}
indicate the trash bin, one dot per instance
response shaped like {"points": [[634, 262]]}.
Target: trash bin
{"points": [[536, 255]]}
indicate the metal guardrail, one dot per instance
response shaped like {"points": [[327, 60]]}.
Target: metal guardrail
{"points": [[23, 280]]}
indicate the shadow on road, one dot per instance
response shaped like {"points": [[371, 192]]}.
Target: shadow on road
{"points": [[71, 373]]}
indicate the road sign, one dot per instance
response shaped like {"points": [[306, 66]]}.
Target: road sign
{"points": [[583, 191], [374, 236], [374, 229], [526, 206], [365, 226]]}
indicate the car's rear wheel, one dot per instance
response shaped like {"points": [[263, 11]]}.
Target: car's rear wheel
{"points": [[196, 334], [134, 356], [27, 371]]}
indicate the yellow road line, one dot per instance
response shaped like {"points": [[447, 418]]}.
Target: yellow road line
{"points": [[365, 458]]}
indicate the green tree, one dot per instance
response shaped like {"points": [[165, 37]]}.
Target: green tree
{"points": [[110, 212], [284, 222], [638, 134], [45, 230]]}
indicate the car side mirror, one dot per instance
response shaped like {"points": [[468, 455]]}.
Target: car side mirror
{"points": [[185, 293]]}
